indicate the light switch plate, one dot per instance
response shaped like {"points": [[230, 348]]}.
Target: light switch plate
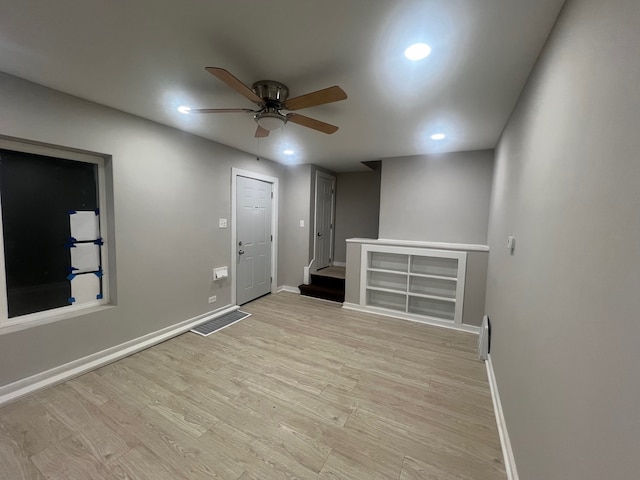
{"points": [[301, 223], [222, 223]]}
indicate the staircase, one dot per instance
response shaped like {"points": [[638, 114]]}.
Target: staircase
{"points": [[327, 284]]}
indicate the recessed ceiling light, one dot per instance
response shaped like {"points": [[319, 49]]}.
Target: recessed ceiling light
{"points": [[438, 136], [184, 109], [417, 51], [288, 151]]}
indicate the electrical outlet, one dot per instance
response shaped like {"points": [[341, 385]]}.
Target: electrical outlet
{"points": [[222, 223], [213, 299]]}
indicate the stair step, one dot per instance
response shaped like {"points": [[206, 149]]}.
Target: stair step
{"points": [[322, 291], [331, 282]]}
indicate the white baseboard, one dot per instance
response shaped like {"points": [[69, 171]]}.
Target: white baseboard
{"points": [[339, 264], [62, 373], [412, 318], [287, 288], [505, 442]]}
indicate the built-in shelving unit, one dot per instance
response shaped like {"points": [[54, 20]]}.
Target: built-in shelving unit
{"points": [[415, 282]]}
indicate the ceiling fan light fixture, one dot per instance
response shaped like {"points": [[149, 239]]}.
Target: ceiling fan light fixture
{"points": [[417, 51], [184, 109], [288, 151], [270, 120], [438, 136]]}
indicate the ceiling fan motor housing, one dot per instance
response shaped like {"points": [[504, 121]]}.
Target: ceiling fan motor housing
{"points": [[274, 95]]}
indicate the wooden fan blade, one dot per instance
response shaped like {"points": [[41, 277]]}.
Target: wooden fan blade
{"points": [[219, 110], [312, 123], [261, 132], [327, 95], [233, 82]]}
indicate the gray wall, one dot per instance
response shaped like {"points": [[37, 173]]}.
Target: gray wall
{"points": [[565, 308], [357, 209], [437, 198], [295, 241], [170, 188]]}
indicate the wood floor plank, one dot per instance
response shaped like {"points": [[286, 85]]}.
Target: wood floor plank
{"points": [[70, 459], [256, 457], [302, 389], [195, 459], [86, 421], [140, 462], [15, 463], [32, 426], [306, 450], [413, 469]]}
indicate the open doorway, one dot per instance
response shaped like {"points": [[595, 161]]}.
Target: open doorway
{"points": [[324, 220]]}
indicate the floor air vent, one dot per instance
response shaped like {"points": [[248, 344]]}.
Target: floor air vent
{"points": [[219, 323]]}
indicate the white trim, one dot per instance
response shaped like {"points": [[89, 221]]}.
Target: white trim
{"points": [[461, 327], [339, 264], [287, 288], [505, 442], [62, 373], [237, 172], [50, 316], [411, 243]]}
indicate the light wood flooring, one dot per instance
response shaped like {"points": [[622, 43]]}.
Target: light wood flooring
{"points": [[332, 271], [302, 389]]}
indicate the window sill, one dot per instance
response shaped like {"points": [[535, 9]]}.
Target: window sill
{"points": [[43, 318]]}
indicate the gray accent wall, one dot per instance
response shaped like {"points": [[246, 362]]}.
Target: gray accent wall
{"points": [[169, 189], [357, 209], [565, 307], [437, 198], [295, 241]]}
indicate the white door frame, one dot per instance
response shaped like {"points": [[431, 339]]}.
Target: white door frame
{"points": [[315, 217], [235, 173]]}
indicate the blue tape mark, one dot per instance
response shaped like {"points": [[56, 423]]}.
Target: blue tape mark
{"points": [[99, 296], [99, 273], [98, 241], [72, 212], [71, 269], [97, 212], [71, 276], [71, 300]]}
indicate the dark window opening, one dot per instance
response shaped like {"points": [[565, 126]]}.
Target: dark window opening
{"points": [[37, 194]]}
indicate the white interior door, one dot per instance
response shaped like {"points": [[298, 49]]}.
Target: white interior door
{"points": [[253, 239], [324, 220]]}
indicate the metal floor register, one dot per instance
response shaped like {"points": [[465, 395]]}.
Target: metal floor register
{"points": [[219, 323]]}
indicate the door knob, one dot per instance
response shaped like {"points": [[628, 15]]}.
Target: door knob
{"points": [[241, 252], [319, 234]]}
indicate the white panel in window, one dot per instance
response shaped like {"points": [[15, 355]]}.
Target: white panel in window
{"points": [[84, 225]]}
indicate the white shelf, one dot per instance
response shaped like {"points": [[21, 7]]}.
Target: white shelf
{"points": [[389, 290], [435, 277], [382, 270], [432, 297], [420, 282]]}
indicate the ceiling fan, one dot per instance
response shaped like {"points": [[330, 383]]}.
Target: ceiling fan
{"points": [[272, 97]]}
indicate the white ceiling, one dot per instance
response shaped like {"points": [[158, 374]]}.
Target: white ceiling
{"points": [[147, 57]]}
